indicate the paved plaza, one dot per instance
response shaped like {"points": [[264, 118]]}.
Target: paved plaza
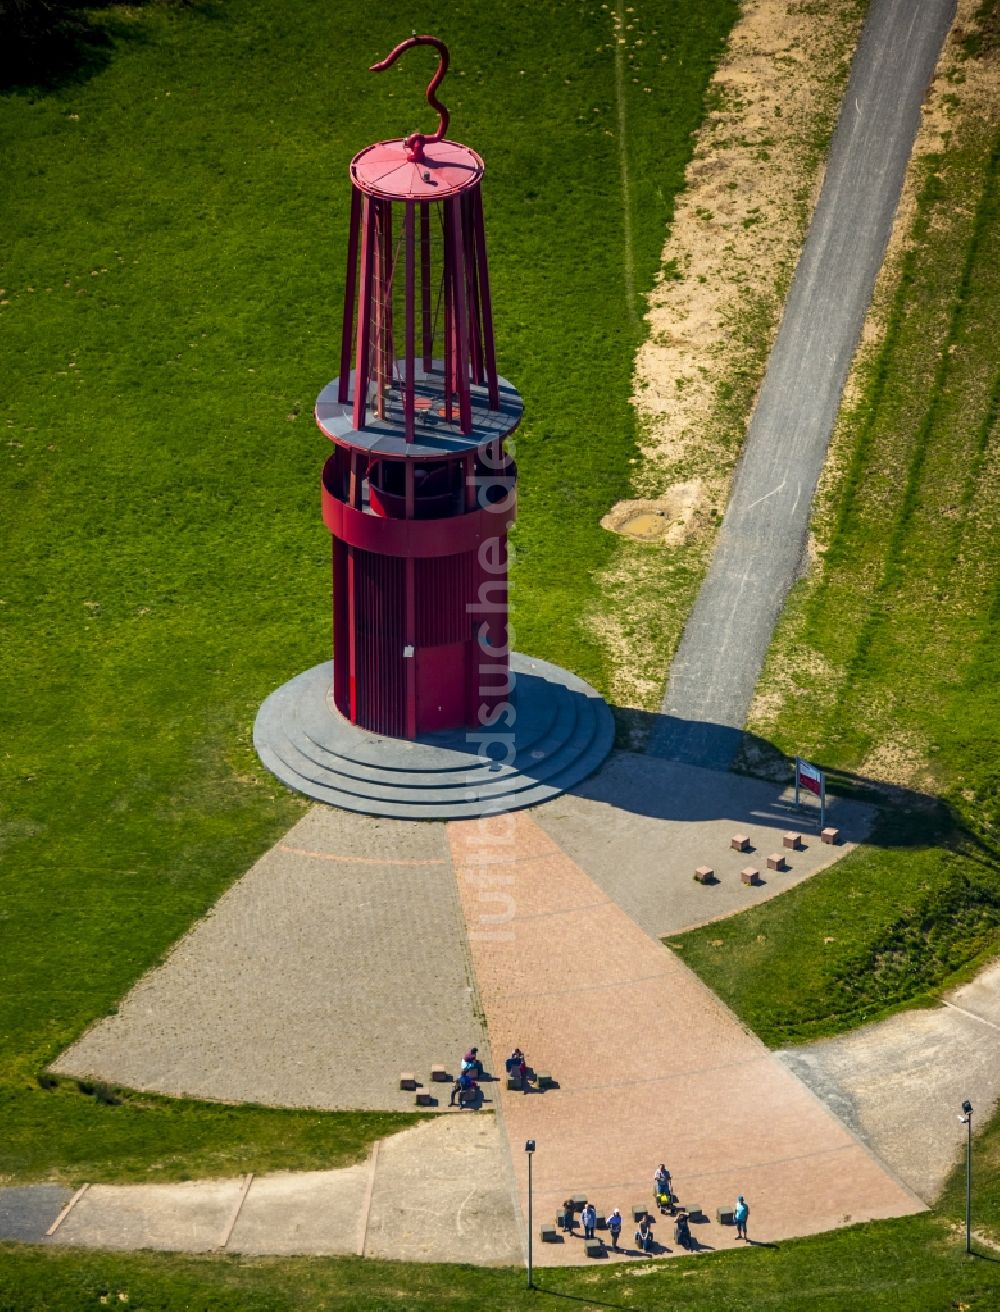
{"points": [[336, 962], [650, 1065], [358, 948]]}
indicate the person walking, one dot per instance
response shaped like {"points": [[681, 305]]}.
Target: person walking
{"points": [[740, 1213], [589, 1218], [615, 1228]]}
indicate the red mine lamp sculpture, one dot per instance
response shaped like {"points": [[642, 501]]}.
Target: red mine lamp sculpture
{"points": [[419, 492], [424, 712]]}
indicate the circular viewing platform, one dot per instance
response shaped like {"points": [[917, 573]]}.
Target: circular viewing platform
{"points": [[434, 436]]}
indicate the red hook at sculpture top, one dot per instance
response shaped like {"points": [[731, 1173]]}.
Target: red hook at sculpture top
{"points": [[416, 141]]}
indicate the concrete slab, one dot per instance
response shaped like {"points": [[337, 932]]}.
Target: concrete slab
{"points": [[189, 1217], [900, 1084], [444, 1193], [27, 1211], [303, 1212], [641, 826], [651, 1067], [337, 961]]}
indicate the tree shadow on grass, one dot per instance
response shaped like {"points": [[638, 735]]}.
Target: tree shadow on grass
{"points": [[44, 47]]}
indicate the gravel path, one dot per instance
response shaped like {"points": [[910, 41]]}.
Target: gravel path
{"points": [[900, 1084], [763, 535], [440, 1191]]}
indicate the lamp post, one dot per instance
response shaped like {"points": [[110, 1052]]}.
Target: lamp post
{"points": [[966, 1120], [529, 1148]]}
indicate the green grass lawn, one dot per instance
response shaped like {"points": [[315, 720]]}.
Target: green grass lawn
{"points": [[176, 228], [885, 663]]}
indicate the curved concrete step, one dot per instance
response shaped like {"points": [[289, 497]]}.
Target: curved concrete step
{"points": [[578, 724], [562, 732]]}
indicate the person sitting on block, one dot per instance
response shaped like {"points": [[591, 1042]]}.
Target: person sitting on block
{"points": [[464, 1089]]}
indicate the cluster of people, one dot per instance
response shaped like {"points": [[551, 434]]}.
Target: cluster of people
{"points": [[666, 1203], [466, 1087]]}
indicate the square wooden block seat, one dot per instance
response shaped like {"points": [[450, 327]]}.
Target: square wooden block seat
{"points": [[776, 861], [694, 1211], [639, 1212], [578, 1202], [544, 1080], [425, 1100], [408, 1081], [594, 1248], [440, 1075], [749, 875], [794, 841], [513, 1082], [602, 1221], [704, 875], [548, 1234], [831, 836], [564, 1220], [724, 1216], [740, 842]]}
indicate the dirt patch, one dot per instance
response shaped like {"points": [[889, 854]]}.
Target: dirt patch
{"points": [[670, 518], [712, 315]]}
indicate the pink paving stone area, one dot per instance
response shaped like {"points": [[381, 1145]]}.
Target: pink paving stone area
{"points": [[650, 1065]]}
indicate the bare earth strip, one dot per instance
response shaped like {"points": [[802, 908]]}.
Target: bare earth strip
{"points": [[737, 231], [636, 1042]]}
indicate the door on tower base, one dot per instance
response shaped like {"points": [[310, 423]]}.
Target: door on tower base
{"points": [[442, 676]]}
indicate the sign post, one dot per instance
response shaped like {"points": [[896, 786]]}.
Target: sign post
{"points": [[811, 777]]}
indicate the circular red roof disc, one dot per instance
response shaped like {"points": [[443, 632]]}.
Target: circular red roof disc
{"points": [[447, 169]]}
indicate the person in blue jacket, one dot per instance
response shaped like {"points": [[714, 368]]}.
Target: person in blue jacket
{"points": [[740, 1213]]}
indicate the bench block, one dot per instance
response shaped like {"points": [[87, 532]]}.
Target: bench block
{"points": [[548, 1234], [749, 875], [724, 1216], [513, 1082], [578, 1202], [831, 836], [740, 842], [794, 841], [639, 1212], [594, 1248], [439, 1075], [408, 1081], [776, 861], [564, 1219], [602, 1221], [704, 874], [544, 1080], [694, 1211], [426, 1100]]}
